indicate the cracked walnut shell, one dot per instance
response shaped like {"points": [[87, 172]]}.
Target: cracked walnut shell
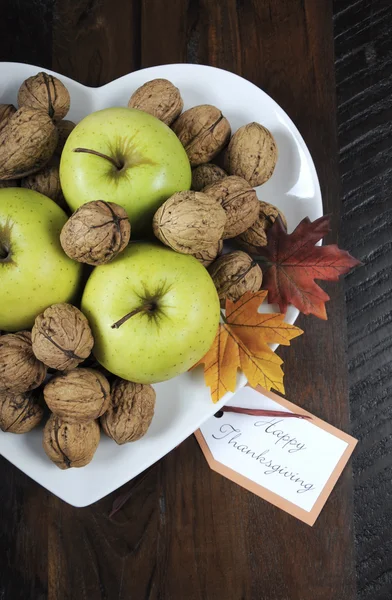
{"points": [[189, 222], [27, 142], [6, 112], [46, 182], [64, 128], [20, 370], [19, 413], [130, 411], [234, 274], [159, 98], [78, 395], [239, 201], [207, 174], [96, 233], [256, 235], [45, 93], [62, 337], [252, 154], [70, 444], [207, 256], [6, 183], [203, 131]]}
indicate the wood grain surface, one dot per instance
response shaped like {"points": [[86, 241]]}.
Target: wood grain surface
{"points": [[185, 532], [364, 89]]}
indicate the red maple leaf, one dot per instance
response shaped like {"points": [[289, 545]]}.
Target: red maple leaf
{"points": [[291, 263]]}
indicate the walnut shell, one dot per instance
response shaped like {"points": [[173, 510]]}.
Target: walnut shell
{"points": [[234, 274], [239, 202], [46, 93], [64, 128], [96, 233], [189, 222], [207, 256], [256, 235], [6, 111], [27, 142], [7, 183], [78, 395], [46, 182], [203, 131], [70, 444], [205, 175], [62, 337], [130, 411], [252, 154], [159, 98], [20, 370], [19, 413]]}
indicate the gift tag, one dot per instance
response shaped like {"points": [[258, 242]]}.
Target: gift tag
{"points": [[289, 457]]}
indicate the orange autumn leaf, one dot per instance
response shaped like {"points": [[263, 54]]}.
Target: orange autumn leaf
{"points": [[242, 342]]}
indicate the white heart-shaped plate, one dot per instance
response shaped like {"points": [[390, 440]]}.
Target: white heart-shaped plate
{"points": [[183, 403]]}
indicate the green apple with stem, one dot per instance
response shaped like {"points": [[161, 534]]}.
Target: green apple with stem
{"points": [[153, 312], [126, 156], [34, 270]]}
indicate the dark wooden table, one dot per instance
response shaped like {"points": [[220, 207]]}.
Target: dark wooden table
{"points": [[186, 533], [363, 51]]}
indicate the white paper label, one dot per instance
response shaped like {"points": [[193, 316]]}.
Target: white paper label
{"points": [[293, 458]]}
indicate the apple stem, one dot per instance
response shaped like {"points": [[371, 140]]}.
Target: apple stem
{"points": [[145, 308], [118, 165]]}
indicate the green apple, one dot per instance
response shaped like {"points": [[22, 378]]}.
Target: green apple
{"points": [[34, 270], [153, 312], [127, 156]]}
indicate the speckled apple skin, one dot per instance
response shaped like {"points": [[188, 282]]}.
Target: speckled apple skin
{"points": [[155, 163], [149, 349], [38, 273]]}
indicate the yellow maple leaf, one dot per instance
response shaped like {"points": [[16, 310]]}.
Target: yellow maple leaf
{"points": [[242, 343]]}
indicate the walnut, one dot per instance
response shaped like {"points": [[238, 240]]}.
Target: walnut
{"points": [[62, 337], [20, 370], [70, 444], [256, 235], [203, 131], [46, 182], [205, 175], [7, 183], [234, 274], [64, 128], [27, 142], [6, 111], [45, 93], [78, 395], [19, 413], [252, 154], [239, 202], [159, 98], [207, 256], [96, 233], [189, 222], [130, 411]]}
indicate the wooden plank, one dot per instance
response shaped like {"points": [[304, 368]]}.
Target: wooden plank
{"points": [[25, 36], [94, 41], [26, 32], [186, 532], [364, 92], [287, 49]]}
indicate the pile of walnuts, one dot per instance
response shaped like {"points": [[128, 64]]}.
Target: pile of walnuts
{"points": [[32, 137], [48, 373], [48, 370], [223, 204]]}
